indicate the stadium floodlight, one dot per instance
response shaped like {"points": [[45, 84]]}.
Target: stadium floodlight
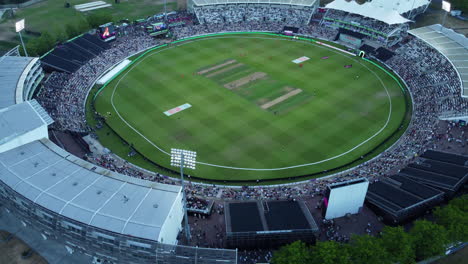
{"points": [[446, 6], [184, 159], [19, 27]]}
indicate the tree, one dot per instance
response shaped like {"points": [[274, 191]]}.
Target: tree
{"points": [[82, 27], [60, 35], [398, 245], [48, 39], [96, 19], [429, 239], [454, 217], [330, 252], [365, 249], [297, 252], [461, 203], [31, 47], [71, 31], [43, 44]]}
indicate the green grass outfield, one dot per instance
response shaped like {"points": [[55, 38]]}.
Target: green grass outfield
{"points": [[344, 119]]}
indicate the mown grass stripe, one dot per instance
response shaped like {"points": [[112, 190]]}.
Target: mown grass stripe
{"points": [[222, 120]]}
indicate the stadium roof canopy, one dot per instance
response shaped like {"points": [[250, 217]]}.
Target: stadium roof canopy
{"points": [[452, 45], [278, 2], [20, 119], [67, 185], [401, 6], [369, 10], [11, 69]]}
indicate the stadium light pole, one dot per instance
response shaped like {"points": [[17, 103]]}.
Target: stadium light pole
{"points": [[184, 159], [446, 6], [411, 11], [19, 27]]}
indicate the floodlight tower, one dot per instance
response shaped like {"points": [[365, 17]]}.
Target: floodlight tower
{"points": [[19, 26], [184, 159], [446, 6]]}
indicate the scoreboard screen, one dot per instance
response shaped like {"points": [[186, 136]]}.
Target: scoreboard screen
{"points": [[157, 27], [107, 31]]}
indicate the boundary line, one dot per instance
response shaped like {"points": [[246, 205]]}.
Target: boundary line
{"points": [[215, 36]]}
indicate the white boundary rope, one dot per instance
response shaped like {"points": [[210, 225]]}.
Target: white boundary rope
{"points": [[252, 169]]}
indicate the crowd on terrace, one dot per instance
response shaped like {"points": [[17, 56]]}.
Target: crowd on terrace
{"points": [[197, 203], [63, 95], [237, 13], [312, 30], [433, 74], [430, 79]]}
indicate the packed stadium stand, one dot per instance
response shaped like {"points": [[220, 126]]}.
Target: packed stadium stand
{"points": [[437, 77], [289, 13], [454, 47]]}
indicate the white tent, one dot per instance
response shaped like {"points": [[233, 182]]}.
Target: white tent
{"points": [[401, 6], [368, 10]]}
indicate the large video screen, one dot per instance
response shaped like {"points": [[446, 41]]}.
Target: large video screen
{"points": [[106, 31], [346, 199], [158, 27]]}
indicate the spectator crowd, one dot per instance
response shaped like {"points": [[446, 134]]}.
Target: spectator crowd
{"points": [[63, 95], [428, 75]]}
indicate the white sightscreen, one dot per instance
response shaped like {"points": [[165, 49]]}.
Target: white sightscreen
{"points": [[347, 199]]}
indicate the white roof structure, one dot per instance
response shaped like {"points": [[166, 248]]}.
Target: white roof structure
{"points": [[278, 2], [67, 185], [11, 69], [22, 123], [367, 9], [17, 120], [452, 45], [401, 6]]}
